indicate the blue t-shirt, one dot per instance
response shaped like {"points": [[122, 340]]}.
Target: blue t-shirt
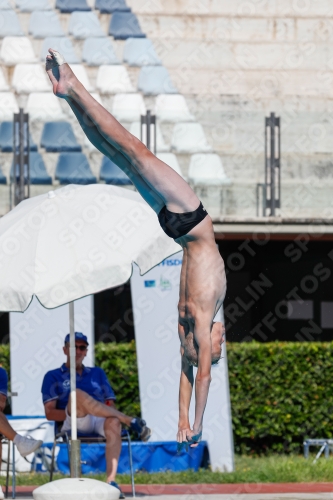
{"points": [[3, 381], [56, 385]]}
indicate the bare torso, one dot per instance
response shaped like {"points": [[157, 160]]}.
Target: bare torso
{"points": [[203, 281]]}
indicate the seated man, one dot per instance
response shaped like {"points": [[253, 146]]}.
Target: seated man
{"points": [[25, 445], [96, 411]]}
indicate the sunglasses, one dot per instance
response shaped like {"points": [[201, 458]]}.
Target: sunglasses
{"points": [[81, 347]]}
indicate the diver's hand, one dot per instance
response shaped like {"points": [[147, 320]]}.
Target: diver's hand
{"points": [[183, 437]]}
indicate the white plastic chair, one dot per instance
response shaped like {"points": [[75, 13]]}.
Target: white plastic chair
{"points": [[113, 80], [172, 108], [128, 107], [189, 138], [207, 170], [30, 78], [17, 49], [44, 106]]}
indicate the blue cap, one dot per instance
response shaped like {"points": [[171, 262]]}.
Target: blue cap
{"points": [[78, 336]]}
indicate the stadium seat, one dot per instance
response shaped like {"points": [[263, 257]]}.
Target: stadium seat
{"points": [[171, 160], [189, 138], [207, 169], [160, 146], [9, 24], [3, 83], [38, 173], [154, 80], [84, 25], [58, 137], [8, 106], [31, 5], [128, 107], [113, 80], [68, 6], [44, 106], [63, 45], [98, 51], [44, 23], [80, 72], [125, 25], [3, 179], [30, 78], [112, 174], [140, 52], [7, 139], [110, 6], [5, 5], [73, 168], [172, 108], [17, 49]]}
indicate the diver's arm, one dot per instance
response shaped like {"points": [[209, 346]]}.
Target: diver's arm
{"points": [[203, 377], [185, 393]]}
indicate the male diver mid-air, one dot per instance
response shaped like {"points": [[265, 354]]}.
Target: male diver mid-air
{"points": [[183, 218]]}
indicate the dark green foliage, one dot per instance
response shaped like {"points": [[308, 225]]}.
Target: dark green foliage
{"points": [[119, 363], [281, 393]]}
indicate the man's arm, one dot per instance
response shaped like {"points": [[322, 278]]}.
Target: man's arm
{"points": [[185, 394], [203, 376], [52, 413]]}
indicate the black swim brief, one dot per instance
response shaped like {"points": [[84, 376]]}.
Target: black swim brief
{"points": [[176, 225]]}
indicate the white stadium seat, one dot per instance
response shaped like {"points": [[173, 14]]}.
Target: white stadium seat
{"points": [[81, 74], [63, 45], [44, 23], [189, 138], [172, 108], [30, 78], [44, 106], [113, 80], [5, 5], [128, 107], [207, 170], [15, 50], [161, 146], [8, 106], [31, 5], [3, 82], [171, 160], [84, 25], [9, 24]]}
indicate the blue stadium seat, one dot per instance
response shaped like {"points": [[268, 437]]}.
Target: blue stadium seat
{"points": [[68, 6], [140, 52], [31, 5], [98, 51], [38, 173], [125, 25], [45, 23], [63, 45], [110, 6], [6, 138], [3, 179], [58, 137], [112, 174], [154, 80], [9, 24], [84, 25], [73, 168]]}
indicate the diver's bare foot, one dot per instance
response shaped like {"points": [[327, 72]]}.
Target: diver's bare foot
{"points": [[62, 77]]}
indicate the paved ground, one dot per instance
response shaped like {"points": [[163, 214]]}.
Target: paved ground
{"points": [[286, 496]]}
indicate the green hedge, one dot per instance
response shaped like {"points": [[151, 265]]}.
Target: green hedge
{"points": [[280, 392]]}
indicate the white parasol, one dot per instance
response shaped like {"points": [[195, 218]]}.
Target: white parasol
{"points": [[73, 242]]}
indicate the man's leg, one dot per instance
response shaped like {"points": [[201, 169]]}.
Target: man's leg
{"points": [[6, 429], [162, 179], [112, 431], [86, 405]]}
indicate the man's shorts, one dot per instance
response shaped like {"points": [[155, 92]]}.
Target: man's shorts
{"points": [[87, 425]]}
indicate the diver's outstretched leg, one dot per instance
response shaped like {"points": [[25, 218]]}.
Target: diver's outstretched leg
{"points": [[174, 192]]}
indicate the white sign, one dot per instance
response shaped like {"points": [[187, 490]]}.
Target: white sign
{"points": [[155, 298], [36, 346]]}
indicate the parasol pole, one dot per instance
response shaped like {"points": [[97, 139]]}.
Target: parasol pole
{"points": [[75, 464]]}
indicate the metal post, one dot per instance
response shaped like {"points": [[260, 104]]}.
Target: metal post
{"points": [[13, 474], [20, 177], [272, 164], [148, 120], [75, 458]]}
